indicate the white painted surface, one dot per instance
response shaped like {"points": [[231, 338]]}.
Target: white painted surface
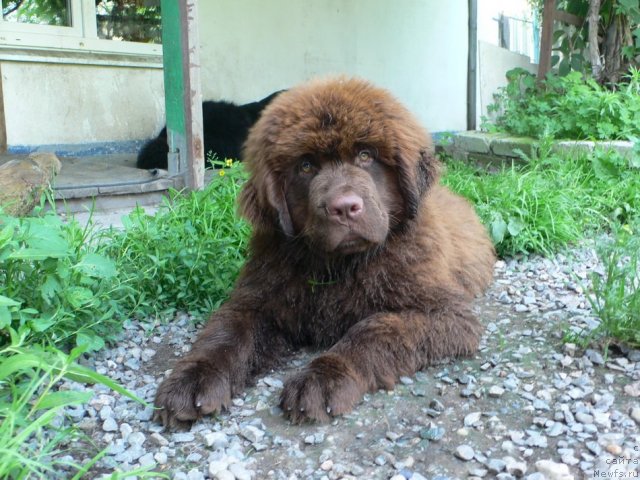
{"points": [[251, 48], [493, 64], [68, 104], [415, 48]]}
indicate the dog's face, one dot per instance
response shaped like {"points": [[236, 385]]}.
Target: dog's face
{"points": [[338, 162]]}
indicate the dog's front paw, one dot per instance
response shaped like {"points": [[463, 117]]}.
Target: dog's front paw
{"points": [[194, 388], [327, 387]]}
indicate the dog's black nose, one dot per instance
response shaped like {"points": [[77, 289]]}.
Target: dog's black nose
{"points": [[346, 207]]}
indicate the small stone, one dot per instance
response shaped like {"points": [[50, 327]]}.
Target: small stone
{"points": [[273, 382], [472, 418], [183, 437], [478, 472], [515, 467], [110, 425], [633, 389], [195, 474], [157, 439], [239, 471], [216, 440], [251, 433], [216, 466], [406, 380], [495, 465], [584, 418], [496, 391], [161, 458], [553, 471], [380, 460], [594, 357], [433, 433], [224, 475], [464, 452], [613, 449]]}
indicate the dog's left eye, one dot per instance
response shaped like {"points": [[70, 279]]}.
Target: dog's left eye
{"points": [[364, 157]]}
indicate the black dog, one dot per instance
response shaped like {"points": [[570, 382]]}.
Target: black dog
{"points": [[225, 126]]}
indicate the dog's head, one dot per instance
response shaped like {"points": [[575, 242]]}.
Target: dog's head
{"points": [[339, 162]]}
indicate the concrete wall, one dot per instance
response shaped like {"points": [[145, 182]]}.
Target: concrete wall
{"points": [[80, 104], [493, 64], [415, 48], [250, 48]]}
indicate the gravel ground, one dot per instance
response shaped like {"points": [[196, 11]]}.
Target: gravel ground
{"points": [[528, 405]]}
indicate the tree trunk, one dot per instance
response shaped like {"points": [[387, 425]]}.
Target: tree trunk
{"points": [[593, 19]]}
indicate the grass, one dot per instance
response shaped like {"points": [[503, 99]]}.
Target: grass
{"points": [[31, 404], [616, 293], [185, 257], [552, 201]]}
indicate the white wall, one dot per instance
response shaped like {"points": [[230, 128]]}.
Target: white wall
{"points": [[415, 48], [68, 104], [493, 64], [249, 49]]}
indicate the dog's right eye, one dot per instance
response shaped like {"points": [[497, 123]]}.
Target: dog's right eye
{"points": [[306, 166]]}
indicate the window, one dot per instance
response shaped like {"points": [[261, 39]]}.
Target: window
{"points": [[123, 27]]}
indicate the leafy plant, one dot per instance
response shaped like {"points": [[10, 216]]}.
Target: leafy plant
{"points": [[30, 443], [566, 107], [186, 256], [53, 285], [551, 201], [616, 293]]}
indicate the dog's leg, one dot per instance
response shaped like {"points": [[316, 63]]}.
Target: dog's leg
{"points": [[233, 347], [373, 354]]}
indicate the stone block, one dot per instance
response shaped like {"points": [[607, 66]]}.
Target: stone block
{"points": [[624, 148], [472, 141], [510, 146]]}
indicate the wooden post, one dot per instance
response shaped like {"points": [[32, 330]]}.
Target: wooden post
{"points": [[472, 65], [183, 97], [546, 38]]}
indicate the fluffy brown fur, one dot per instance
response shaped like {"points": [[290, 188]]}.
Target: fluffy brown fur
{"points": [[356, 249]]}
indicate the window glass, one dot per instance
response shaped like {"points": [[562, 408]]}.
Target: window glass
{"points": [[41, 12], [129, 20]]}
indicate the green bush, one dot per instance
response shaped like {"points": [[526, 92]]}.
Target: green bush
{"points": [[567, 107], [186, 256], [551, 201], [54, 287]]}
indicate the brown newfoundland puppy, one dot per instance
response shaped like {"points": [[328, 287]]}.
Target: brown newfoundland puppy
{"points": [[356, 249]]}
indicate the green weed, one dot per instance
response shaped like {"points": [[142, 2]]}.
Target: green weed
{"points": [[616, 294], [551, 201], [185, 257], [53, 284], [567, 107], [31, 445]]}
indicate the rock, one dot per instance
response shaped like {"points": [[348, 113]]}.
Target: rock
{"points": [[216, 440], [239, 471], [633, 389], [110, 425], [22, 181], [251, 433], [496, 391], [464, 452], [553, 471], [515, 467], [472, 418], [495, 465], [634, 413]]}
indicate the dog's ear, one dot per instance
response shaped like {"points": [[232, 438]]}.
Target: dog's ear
{"points": [[416, 176], [265, 210]]}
